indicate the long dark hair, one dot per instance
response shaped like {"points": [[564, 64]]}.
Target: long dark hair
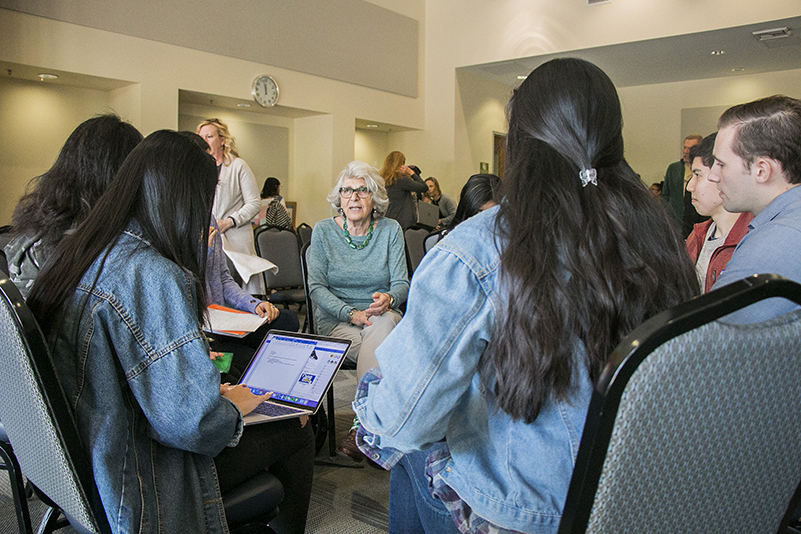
{"points": [[581, 263], [167, 184], [61, 198], [479, 189]]}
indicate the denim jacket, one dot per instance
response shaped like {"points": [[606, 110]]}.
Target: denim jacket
{"points": [[513, 474], [145, 394]]}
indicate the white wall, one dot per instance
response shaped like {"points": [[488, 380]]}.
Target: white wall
{"points": [[159, 71], [37, 118], [371, 147], [652, 114], [468, 32]]}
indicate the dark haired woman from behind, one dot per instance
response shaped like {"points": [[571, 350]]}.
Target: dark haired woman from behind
{"points": [[60, 199], [480, 193], [273, 208], [121, 302], [512, 317]]}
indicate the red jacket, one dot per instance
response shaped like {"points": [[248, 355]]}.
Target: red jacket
{"points": [[723, 253]]}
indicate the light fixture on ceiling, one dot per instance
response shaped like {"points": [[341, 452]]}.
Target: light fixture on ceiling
{"points": [[371, 125], [47, 76], [241, 105], [738, 69], [773, 33], [522, 77], [718, 52]]}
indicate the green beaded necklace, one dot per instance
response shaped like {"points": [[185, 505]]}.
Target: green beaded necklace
{"points": [[350, 242]]}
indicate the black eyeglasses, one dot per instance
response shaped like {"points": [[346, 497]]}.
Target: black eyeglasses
{"points": [[347, 192]]}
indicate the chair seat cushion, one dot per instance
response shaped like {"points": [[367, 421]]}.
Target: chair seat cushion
{"points": [[254, 498], [289, 296]]}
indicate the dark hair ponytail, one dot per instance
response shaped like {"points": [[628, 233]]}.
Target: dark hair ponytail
{"points": [[582, 265]]}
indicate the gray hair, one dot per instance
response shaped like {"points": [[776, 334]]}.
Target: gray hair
{"points": [[373, 181]]}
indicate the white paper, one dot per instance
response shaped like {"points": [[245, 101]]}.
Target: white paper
{"points": [[220, 320], [247, 264]]}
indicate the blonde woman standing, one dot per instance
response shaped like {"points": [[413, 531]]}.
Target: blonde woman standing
{"points": [[237, 200]]}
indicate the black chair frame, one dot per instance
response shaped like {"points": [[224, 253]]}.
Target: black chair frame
{"points": [[624, 361], [326, 425]]}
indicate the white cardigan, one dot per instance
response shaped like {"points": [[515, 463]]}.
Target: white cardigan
{"points": [[238, 197]]}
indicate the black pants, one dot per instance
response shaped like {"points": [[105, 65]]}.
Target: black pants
{"points": [[244, 348], [287, 450]]}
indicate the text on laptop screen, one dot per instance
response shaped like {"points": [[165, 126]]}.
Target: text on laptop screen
{"points": [[306, 366]]}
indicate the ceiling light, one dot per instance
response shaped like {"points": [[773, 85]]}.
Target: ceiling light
{"points": [[45, 76], [738, 69], [718, 52], [240, 105], [371, 125], [522, 77], [773, 33]]}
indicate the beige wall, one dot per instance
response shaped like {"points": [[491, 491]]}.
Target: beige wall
{"points": [[371, 147], [452, 119], [508, 29], [652, 114], [37, 118], [158, 72]]}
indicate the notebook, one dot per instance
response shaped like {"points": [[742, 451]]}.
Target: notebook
{"points": [[427, 215], [297, 368]]}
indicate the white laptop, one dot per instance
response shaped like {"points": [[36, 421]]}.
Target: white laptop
{"points": [[297, 368]]}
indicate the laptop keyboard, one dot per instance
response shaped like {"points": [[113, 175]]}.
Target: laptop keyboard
{"points": [[273, 410]]}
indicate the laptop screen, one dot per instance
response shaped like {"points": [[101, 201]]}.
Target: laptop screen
{"points": [[297, 368]]}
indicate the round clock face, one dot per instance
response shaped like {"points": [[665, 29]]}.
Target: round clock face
{"points": [[265, 91]]}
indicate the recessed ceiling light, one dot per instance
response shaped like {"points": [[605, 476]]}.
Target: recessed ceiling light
{"points": [[240, 105], [45, 76], [738, 69], [718, 52], [522, 77], [372, 125]]}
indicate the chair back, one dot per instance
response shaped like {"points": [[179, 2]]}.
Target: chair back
{"points": [[414, 246], [693, 426], [432, 239], [36, 415], [304, 233], [282, 247]]}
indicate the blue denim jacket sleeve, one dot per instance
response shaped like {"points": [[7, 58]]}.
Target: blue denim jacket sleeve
{"points": [[428, 366], [164, 357]]}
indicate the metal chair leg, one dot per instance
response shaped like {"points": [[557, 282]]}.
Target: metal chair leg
{"points": [[11, 465]]}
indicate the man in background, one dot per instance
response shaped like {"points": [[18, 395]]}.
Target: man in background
{"points": [[674, 188]]}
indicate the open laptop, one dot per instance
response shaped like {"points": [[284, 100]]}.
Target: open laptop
{"points": [[297, 368], [427, 215]]}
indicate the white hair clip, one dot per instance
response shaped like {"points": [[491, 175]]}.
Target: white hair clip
{"points": [[587, 176]]}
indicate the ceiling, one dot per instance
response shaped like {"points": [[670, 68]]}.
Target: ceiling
{"points": [[674, 59]]}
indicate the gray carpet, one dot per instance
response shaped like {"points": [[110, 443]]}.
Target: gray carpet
{"points": [[347, 500]]}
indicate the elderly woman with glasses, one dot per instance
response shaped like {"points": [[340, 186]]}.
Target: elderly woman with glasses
{"points": [[357, 270]]}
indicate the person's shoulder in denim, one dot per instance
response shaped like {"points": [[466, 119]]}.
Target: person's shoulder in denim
{"points": [[772, 245], [145, 394], [514, 474]]}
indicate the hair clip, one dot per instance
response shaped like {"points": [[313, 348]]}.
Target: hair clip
{"points": [[587, 176]]}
